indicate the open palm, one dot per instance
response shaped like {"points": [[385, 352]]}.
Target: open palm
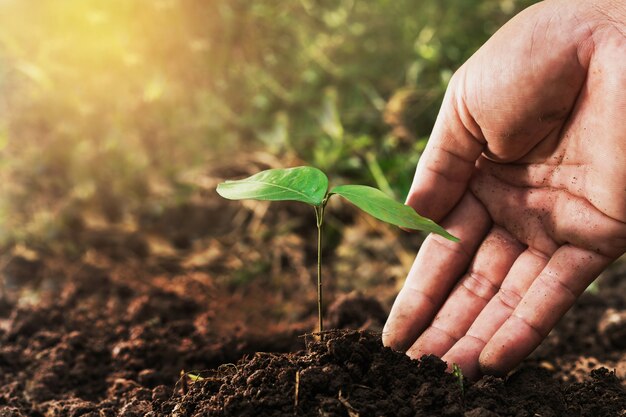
{"points": [[527, 165]]}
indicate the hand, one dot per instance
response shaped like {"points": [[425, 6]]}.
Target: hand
{"points": [[527, 166]]}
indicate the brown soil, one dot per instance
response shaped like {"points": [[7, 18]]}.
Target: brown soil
{"points": [[109, 332], [351, 374]]}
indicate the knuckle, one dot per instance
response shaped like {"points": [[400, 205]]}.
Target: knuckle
{"points": [[509, 298], [479, 285]]}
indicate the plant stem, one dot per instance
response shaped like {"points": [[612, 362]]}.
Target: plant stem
{"points": [[319, 215]]}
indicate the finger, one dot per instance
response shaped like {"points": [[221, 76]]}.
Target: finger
{"points": [[552, 293], [494, 258], [448, 160], [466, 351], [436, 269]]}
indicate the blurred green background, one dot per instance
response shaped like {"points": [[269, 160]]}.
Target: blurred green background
{"points": [[106, 106]]}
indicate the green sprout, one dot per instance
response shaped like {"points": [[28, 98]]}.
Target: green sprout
{"points": [[458, 373], [310, 185]]}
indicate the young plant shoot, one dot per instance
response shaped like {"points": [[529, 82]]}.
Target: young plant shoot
{"points": [[310, 185]]}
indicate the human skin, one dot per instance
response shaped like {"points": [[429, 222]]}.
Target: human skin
{"points": [[526, 164]]}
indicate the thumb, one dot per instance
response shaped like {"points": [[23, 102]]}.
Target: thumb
{"points": [[514, 92], [447, 163]]}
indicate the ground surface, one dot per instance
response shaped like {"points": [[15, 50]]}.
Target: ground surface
{"points": [[108, 331]]}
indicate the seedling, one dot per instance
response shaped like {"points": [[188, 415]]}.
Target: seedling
{"points": [[458, 373], [310, 185]]}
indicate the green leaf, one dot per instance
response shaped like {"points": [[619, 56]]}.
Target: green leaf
{"points": [[194, 377], [383, 207], [306, 184]]}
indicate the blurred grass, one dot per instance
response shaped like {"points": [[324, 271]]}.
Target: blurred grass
{"points": [[106, 104]]}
